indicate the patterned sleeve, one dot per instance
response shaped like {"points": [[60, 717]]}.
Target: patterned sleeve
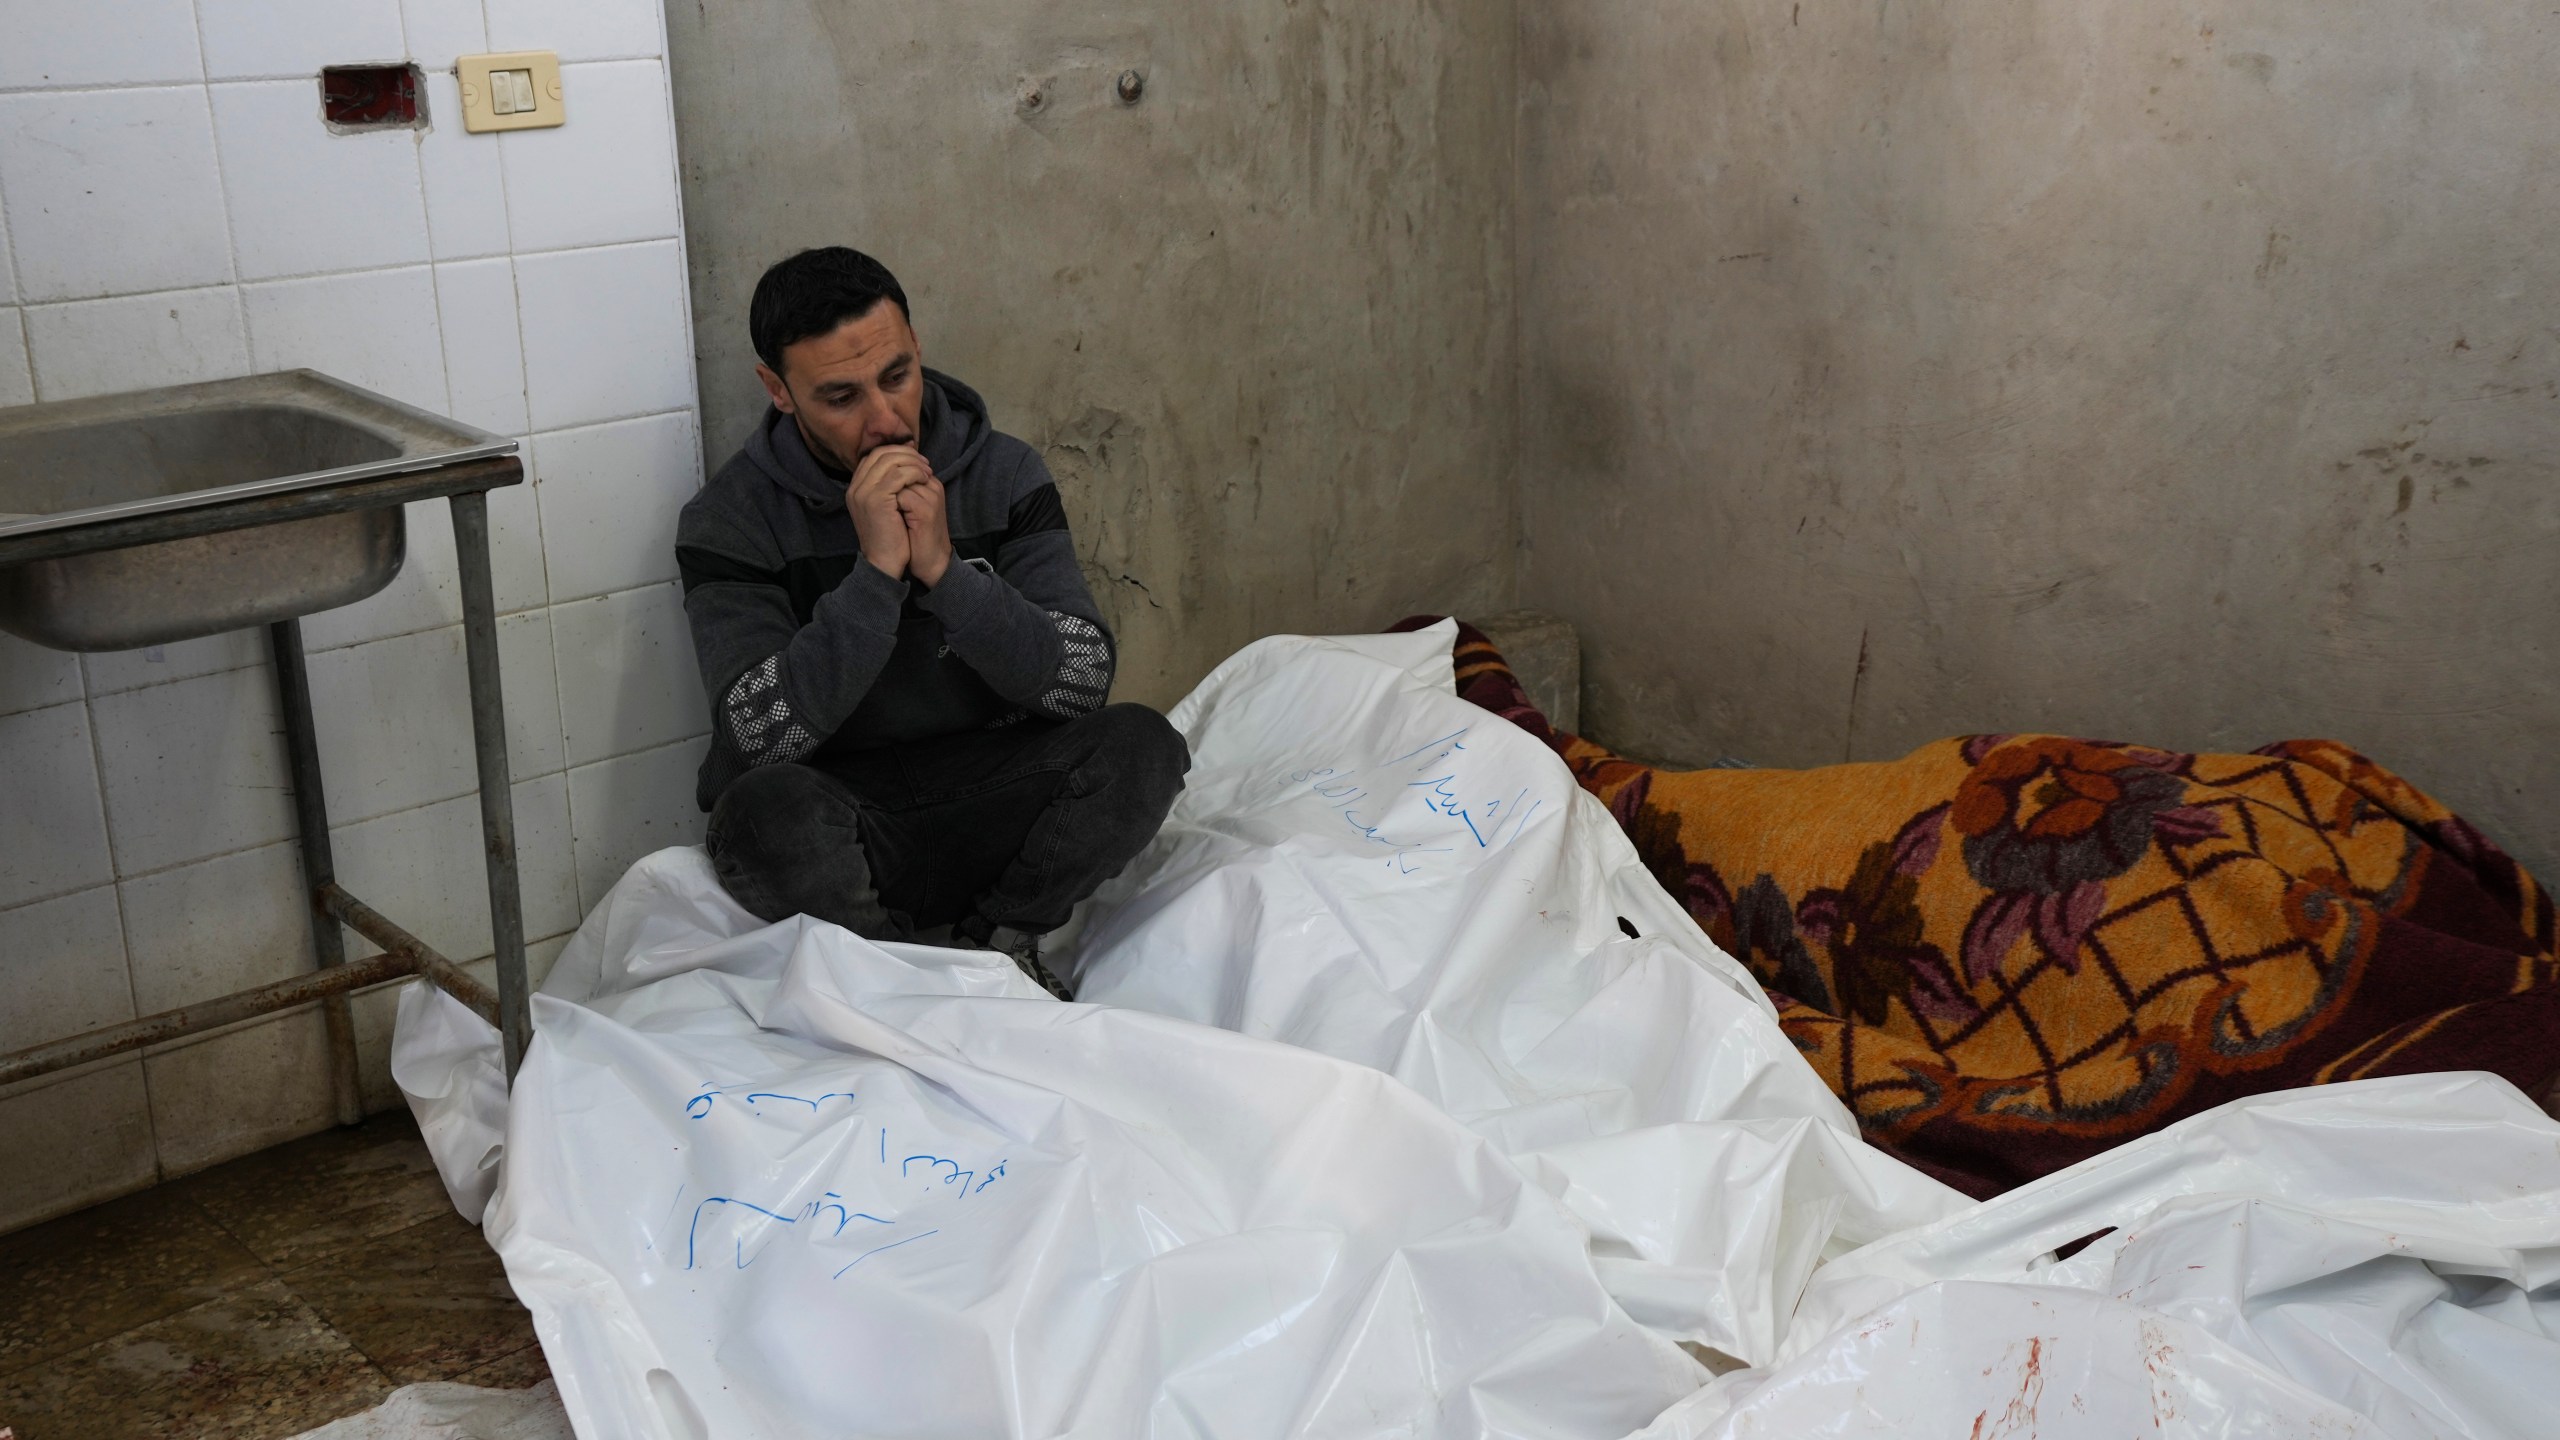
{"points": [[778, 686], [759, 720], [1083, 676], [1025, 622]]}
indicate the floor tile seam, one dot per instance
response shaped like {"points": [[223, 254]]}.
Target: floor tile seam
{"points": [[13, 1372], [266, 1272], [266, 1267], [353, 1345], [475, 1367], [78, 1352], [380, 1366], [313, 1311], [340, 1252], [327, 1326], [283, 1271]]}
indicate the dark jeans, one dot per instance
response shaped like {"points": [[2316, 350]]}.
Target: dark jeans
{"points": [[1007, 827]]}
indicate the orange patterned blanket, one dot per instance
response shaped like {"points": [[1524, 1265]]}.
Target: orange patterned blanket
{"points": [[2010, 952]]}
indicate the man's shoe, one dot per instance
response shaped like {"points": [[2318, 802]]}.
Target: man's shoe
{"points": [[1022, 945]]}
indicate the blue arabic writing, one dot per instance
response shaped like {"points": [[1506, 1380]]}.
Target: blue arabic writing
{"points": [[1487, 821], [828, 1217]]}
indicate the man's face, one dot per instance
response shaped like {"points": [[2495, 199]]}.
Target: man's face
{"points": [[854, 389]]}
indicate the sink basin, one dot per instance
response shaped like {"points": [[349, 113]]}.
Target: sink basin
{"points": [[70, 464]]}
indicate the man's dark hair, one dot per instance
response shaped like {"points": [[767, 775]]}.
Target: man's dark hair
{"points": [[812, 293]]}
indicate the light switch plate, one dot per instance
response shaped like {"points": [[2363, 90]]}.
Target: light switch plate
{"points": [[494, 88]]}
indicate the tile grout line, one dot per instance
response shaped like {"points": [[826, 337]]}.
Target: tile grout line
{"points": [[543, 608], [26, 342], [296, 277], [542, 538], [109, 87], [284, 1275], [531, 452], [228, 1233], [284, 1278], [335, 827], [121, 876], [684, 253], [444, 367], [270, 78], [273, 1273], [17, 293], [161, 1317], [133, 1008], [282, 1268], [142, 1065], [463, 1377], [426, 224], [576, 871]]}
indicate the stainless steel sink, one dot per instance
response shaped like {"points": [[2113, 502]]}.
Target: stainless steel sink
{"points": [[157, 516], [75, 464]]}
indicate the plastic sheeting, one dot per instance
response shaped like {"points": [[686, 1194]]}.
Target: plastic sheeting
{"points": [[792, 1182], [1404, 1102], [1365, 865], [2377, 1257]]}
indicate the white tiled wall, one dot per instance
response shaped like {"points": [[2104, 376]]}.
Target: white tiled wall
{"points": [[172, 209]]}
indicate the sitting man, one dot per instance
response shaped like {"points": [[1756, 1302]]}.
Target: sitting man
{"points": [[905, 668]]}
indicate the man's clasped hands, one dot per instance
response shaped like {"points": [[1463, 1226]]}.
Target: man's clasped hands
{"points": [[896, 504]]}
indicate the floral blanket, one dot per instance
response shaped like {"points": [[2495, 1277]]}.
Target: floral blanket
{"points": [[2010, 952]]}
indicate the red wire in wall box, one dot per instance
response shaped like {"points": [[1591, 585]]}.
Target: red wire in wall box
{"points": [[370, 97]]}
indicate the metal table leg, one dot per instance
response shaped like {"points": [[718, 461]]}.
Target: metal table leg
{"points": [[319, 866], [489, 743], [464, 485]]}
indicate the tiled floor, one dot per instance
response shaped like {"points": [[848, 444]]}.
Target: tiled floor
{"points": [[258, 1298]]}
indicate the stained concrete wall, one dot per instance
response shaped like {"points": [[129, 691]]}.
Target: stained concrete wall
{"points": [[1259, 322], [2187, 374]]}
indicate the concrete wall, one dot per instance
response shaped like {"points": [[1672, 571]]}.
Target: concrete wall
{"points": [[1259, 322], [2186, 374]]}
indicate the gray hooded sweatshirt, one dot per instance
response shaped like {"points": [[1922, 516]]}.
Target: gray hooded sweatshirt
{"points": [[808, 650]]}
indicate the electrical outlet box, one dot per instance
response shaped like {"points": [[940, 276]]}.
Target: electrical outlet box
{"points": [[518, 90]]}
